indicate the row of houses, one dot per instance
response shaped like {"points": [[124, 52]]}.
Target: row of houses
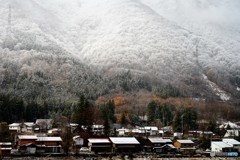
{"points": [[40, 145], [46, 125], [32, 145]]}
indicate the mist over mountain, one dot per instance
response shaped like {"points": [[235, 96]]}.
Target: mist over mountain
{"points": [[62, 48]]}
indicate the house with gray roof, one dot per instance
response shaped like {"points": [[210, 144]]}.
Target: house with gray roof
{"points": [[125, 144]]}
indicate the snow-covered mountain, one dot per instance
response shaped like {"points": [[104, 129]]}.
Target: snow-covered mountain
{"points": [[150, 38]]}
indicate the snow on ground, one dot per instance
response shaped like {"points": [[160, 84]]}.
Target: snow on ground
{"points": [[217, 90]]}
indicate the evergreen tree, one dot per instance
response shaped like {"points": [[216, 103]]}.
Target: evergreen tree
{"points": [[177, 122], [83, 112], [123, 119], [151, 108]]}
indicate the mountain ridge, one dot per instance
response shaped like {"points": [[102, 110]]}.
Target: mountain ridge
{"points": [[113, 37]]}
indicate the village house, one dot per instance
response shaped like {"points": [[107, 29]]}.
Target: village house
{"points": [[73, 126], [5, 149], [27, 143], [44, 124], [219, 146], [232, 133], [49, 144], [100, 145], [155, 144], [97, 130], [123, 131], [197, 134], [234, 143], [26, 127], [151, 130], [77, 143], [124, 144], [29, 127], [185, 146], [15, 127], [54, 132], [26, 139]]}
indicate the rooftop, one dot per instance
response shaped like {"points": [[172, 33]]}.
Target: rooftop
{"points": [[14, 124], [186, 141], [59, 139], [159, 140], [27, 137], [231, 141], [99, 140], [124, 140], [5, 143], [221, 144]]}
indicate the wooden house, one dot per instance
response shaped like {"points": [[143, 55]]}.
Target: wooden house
{"points": [[49, 144], [5, 149], [26, 139], [185, 146], [27, 144], [97, 130], [125, 144], [29, 127], [219, 146], [155, 144], [15, 127], [100, 145], [232, 142]]}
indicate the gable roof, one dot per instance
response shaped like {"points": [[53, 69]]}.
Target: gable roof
{"points": [[49, 139], [124, 140], [159, 140], [27, 137], [29, 124], [14, 125], [5, 143], [185, 141], [231, 141], [152, 128], [229, 124], [221, 144], [98, 140]]}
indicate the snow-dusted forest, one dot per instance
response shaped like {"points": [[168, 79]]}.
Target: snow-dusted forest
{"points": [[62, 49]]}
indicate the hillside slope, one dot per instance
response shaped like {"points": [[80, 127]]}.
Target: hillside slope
{"points": [[110, 38]]}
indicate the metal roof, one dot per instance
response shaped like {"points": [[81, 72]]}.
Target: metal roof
{"points": [[5, 148], [5, 143], [27, 137], [231, 141], [98, 140], [185, 141], [14, 125], [159, 140], [153, 128], [221, 144], [59, 139], [124, 140]]}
